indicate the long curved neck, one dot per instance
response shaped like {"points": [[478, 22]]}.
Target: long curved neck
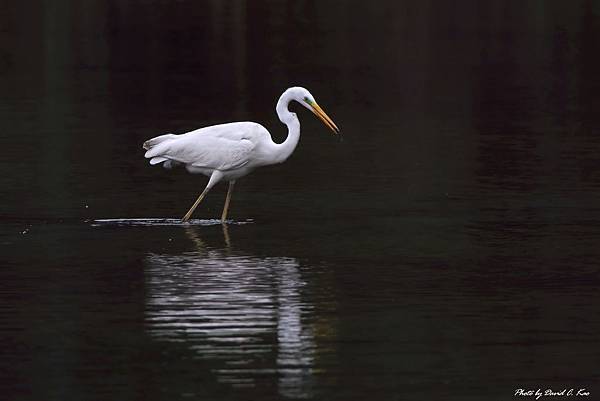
{"points": [[286, 148]]}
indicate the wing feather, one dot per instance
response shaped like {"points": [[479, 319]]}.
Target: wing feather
{"points": [[219, 147]]}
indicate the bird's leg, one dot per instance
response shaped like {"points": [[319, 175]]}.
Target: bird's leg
{"points": [[214, 178], [227, 200], [194, 206]]}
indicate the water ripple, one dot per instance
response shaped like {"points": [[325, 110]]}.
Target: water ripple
{"points": [[155, 221]]}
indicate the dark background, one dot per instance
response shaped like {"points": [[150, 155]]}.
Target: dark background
{"points": [[447, 248]]}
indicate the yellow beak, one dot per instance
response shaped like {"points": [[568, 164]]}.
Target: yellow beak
{"points": [[318, 111]]}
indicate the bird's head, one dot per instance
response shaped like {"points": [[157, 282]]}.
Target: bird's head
{"points": [[304, 97]]}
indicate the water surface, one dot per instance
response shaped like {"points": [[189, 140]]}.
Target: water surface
{"points": [[447, 248]]}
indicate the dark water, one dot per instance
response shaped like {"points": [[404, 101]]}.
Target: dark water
{"points": [[447, 248]]}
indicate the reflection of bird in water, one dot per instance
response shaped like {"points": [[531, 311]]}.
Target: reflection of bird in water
{"points": [[193, 235], [244, 313], [230, 151]]}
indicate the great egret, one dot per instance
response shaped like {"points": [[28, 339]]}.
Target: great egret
{"points": [[230, 151]]}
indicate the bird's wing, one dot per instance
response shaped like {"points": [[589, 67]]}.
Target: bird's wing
{"points": [[220, 147], [220, 153]]}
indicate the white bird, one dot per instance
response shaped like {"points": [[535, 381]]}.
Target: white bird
{"points": [[230, 151]]}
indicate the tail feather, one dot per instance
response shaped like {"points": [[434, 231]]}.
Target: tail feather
{"points": [[156, 160], [155, 152], [150, 143]]}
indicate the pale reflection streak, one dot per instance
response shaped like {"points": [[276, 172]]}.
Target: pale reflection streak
{"points": [[243, 313]]}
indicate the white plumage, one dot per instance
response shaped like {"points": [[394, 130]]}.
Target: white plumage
{"points": [[230, 151]]}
